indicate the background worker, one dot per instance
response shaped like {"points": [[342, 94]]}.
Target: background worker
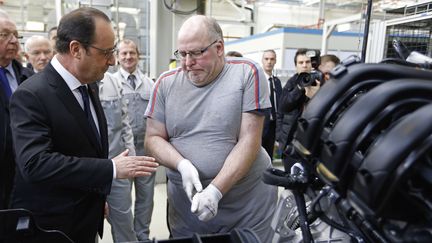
{"points": [[275, 88], [136, 93], [38, 51], [120, 137]]}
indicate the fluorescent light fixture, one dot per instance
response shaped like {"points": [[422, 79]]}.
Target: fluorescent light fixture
{"points": [[343, 27], [97, 2], [126, 10], [310, 2], [122, 25], [35, 26]]}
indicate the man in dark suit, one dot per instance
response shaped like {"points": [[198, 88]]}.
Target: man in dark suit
{"points": [[12, 74], [60, 133], [275, 87]]}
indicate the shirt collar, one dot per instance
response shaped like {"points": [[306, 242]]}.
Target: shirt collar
{"points": [[125, 74], [72, 82], [10, 68]]}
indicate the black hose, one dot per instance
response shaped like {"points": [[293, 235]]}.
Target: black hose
{"points": [[301, 207]]}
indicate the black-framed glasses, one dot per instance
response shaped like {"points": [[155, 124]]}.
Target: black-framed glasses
{"points": [[180, 55], [8, 35], [108, 53]]}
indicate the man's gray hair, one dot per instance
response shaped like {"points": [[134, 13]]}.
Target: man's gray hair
{"points": [[214, 29], [32, 39]]}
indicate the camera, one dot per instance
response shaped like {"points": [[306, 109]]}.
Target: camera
{"points": [[308, 79], [315, 56]]}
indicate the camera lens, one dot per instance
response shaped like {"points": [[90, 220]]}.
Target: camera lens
{"points": [[309, 79]]}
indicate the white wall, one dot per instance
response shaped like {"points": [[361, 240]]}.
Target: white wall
{"points": [[236, 23], [292, 15], [286, 41]]}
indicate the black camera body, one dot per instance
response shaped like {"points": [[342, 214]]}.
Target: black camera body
{"points": [[309, 79], [315, 56]]}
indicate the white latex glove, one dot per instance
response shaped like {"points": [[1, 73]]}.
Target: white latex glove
{"points": [[190, 177], [205, 203]]}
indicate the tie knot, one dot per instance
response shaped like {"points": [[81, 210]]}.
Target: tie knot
{"points": [[83, 90], [132, 77]]}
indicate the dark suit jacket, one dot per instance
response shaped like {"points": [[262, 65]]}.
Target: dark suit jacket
{"points": [[63, 174], [269, 129], [22, 73], [278, 91], [7, 161]]}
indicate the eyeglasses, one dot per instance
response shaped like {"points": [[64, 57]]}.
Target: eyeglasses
{"points": [[180, 55], [108, 53], [8, 35]]}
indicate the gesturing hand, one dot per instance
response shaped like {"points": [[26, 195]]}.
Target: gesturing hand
{"points": [[205, 203], [134, 166], [190, 177]]}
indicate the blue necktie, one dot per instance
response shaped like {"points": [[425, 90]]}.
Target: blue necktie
{"points": [[85, 97], [5, 82]]}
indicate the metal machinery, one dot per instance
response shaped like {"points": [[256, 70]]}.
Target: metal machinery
{"points": [[364, 168]]}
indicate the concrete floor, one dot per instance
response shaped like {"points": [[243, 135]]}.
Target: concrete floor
{"points": [[158, 226]]}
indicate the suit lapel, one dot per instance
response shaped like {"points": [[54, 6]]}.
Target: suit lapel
{"points": [[70, 102]]}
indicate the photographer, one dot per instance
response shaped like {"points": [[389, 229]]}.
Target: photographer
{"points": [[327, 63], [295, 94]]}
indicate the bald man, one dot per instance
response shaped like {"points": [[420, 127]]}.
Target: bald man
{"points": [[38, 51], [204, 123]]}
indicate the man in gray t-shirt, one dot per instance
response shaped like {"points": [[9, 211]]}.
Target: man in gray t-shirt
{"points": [[204, 123]]}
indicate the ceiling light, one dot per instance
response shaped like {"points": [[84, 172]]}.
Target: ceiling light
{"points": [[343, 27], [35, 26]]}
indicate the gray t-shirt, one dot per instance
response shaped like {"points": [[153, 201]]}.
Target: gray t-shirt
{"points": [[203, 124]]}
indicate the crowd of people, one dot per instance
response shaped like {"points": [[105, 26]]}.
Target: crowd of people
{"points": [[75, 138]]}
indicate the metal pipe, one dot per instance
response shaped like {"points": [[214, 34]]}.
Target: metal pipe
{"points": [[366, 30], [117, 19], [58, 10]]}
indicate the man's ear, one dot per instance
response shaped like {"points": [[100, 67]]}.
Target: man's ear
{"points": [[221, 48], [75, 49]]}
